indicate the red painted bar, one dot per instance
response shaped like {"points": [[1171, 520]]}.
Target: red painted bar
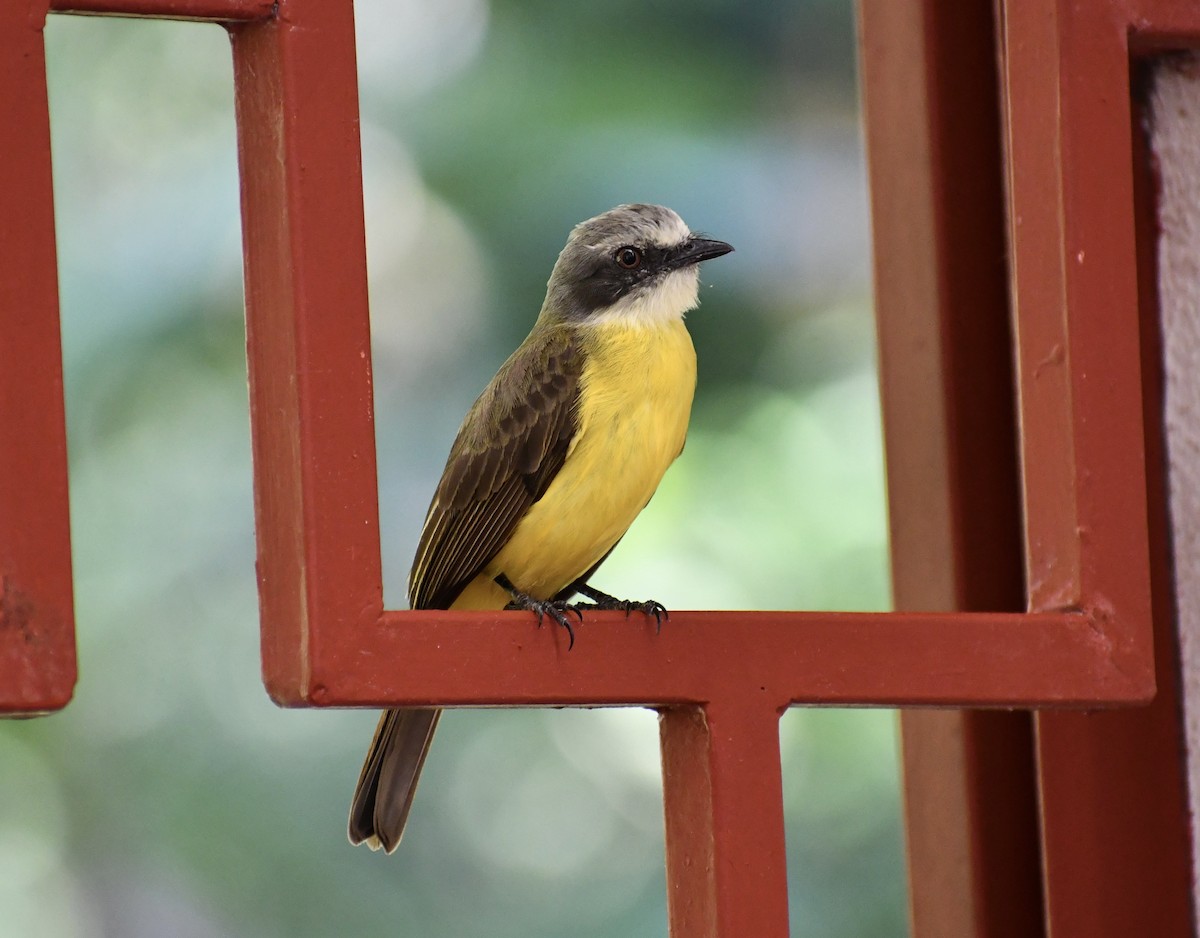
{"points": [[224, 11], [690, 834], [1075, 298], [1115, 819], [929, 76], [37, 633], [923, 659], [308, 336], [726, 856]]}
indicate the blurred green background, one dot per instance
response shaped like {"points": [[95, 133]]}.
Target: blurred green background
{"points": [[171, 797]]}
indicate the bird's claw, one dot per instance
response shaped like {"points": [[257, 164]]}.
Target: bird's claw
{"points": [[557, 611], [647, 607]]}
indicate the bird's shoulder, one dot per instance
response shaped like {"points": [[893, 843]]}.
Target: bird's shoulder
{"points": [[521, 416]]}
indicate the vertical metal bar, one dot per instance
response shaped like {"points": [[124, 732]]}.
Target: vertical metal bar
{"points": [[1114, 813], [1067, 123], [1113, 790], [687, 807], [971, 820], [929, 77], [308, 336], [723, 802], [37, 632]]}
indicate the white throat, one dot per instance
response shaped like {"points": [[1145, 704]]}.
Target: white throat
{"points": [[665, 302]]}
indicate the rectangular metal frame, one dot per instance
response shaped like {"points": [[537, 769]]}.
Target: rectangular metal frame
{"points": [[720, 679], [1105, 845], [1115, 822]]}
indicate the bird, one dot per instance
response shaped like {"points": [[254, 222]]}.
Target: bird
{"points": [[554, 460]]}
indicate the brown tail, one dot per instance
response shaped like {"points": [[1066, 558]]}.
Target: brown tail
{"points": [[389, 777]]}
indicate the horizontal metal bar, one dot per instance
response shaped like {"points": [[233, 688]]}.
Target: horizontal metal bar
{"points": [[227, 11], [780, 658]]}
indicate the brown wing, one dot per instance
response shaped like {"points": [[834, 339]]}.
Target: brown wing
{"points": [[510, 446]]}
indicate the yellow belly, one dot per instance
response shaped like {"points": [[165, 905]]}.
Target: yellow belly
{"points": [[637, 387]]}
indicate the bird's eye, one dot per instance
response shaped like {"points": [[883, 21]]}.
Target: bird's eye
{"points": [[629, 257]]}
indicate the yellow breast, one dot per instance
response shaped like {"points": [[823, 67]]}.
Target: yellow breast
{"points": [[636, 397]]}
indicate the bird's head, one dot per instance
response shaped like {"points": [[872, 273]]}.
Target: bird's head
{"points": [[634, 263]]}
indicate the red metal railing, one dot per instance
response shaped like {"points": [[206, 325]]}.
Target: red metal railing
{"points": [[1115, 849], [1113, 820], [720, 680]]}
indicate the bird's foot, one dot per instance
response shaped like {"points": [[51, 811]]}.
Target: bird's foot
{"points": [[556, 610], [647, 607]]}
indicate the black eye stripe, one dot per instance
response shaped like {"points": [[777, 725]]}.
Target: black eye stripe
{"points": [[603, 280], [649, 257], [655, 257]]}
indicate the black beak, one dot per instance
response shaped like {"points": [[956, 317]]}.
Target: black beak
{"points": [[695, 250]]}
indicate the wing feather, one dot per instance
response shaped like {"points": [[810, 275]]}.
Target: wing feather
{"points": [[512, 443]]}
